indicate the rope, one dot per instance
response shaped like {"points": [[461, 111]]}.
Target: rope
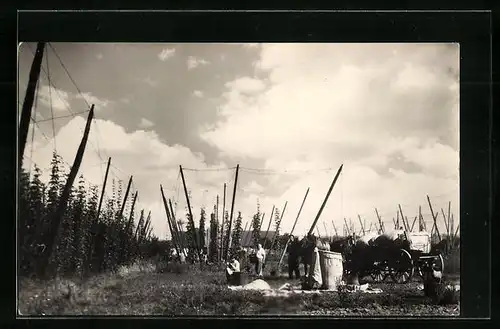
{"points": [[64, 102], [50, 103], [63, 116]]}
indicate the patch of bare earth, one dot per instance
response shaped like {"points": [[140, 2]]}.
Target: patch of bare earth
{"points": [[175, 291]]}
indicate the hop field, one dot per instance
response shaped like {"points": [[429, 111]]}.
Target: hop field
{"points": [[186, 290]]}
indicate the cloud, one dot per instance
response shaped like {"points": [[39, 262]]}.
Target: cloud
{"points": [[246, 85], [141, 154], [166, 54], [193, 62], [150, 82], [57, 98], [91, 99], [389, 112], [145, 123], [198, 93]]}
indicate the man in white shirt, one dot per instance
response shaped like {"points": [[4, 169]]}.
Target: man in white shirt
{"points": [[261, 258]]}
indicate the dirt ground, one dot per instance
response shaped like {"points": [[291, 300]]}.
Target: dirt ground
{"points": [[167, 291]]}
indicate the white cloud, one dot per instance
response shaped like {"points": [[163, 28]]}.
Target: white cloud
{"points": [[138, 153], [194, 62], [246, 85], [150, 82], [145, 123], [198, 93], [91, 99], [57, 98], [357, 104], [166, 54]]}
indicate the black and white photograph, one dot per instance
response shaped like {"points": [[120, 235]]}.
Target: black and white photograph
{"points": [[238, 179]]}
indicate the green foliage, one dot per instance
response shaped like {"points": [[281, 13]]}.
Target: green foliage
{"points": [[83, 241], [236, 234], [225, 237], [202, 227], [256, 226], [213, 247], [277, 221]]}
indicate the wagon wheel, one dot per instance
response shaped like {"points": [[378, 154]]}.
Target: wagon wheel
{"points": [[438, 263], [403, 268], [379, 275]]}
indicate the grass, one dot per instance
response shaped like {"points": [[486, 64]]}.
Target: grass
{"points": [[172, 290]]}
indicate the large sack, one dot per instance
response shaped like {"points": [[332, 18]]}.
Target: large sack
{"points": [[315, 270], [388, 238], [368, 238], [258, 284]]}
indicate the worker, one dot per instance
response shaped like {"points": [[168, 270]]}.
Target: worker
{"points": [[232, 267], [293, 258], [261, 258]]}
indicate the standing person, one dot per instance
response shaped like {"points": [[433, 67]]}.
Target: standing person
{"points": [[293, 258], [261, 258]]}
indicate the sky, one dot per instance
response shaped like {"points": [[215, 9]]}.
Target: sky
{"points": [[288, 114]]}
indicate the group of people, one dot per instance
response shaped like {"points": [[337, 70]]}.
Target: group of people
{"points": [[258, 259], [233, 266]]}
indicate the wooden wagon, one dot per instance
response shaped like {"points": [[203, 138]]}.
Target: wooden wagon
{"points": [[399, 259]]}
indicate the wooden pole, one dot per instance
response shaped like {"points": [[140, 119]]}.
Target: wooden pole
{"points": [[29, 99], [404, 219], [319, 234], [326, 231], [130, 218], [293, 228], [103, 190], [268, 226], [334, 228], [191, 218], [232, 211], [223, 222], [326, 199], [120, 214], [457, 230], [452, 224], [175, 238], [141, 218], [379, 221], [56, 217], [278, 227], [347, 227], [433, 218], [180, 233], [446, 224], [243, 237], [361, 224], [413, 224]]}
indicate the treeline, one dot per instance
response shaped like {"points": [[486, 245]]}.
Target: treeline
{"points": [[84, 244]]}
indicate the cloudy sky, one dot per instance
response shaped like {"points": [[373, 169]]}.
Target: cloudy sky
{"points": [[289, 114]]}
